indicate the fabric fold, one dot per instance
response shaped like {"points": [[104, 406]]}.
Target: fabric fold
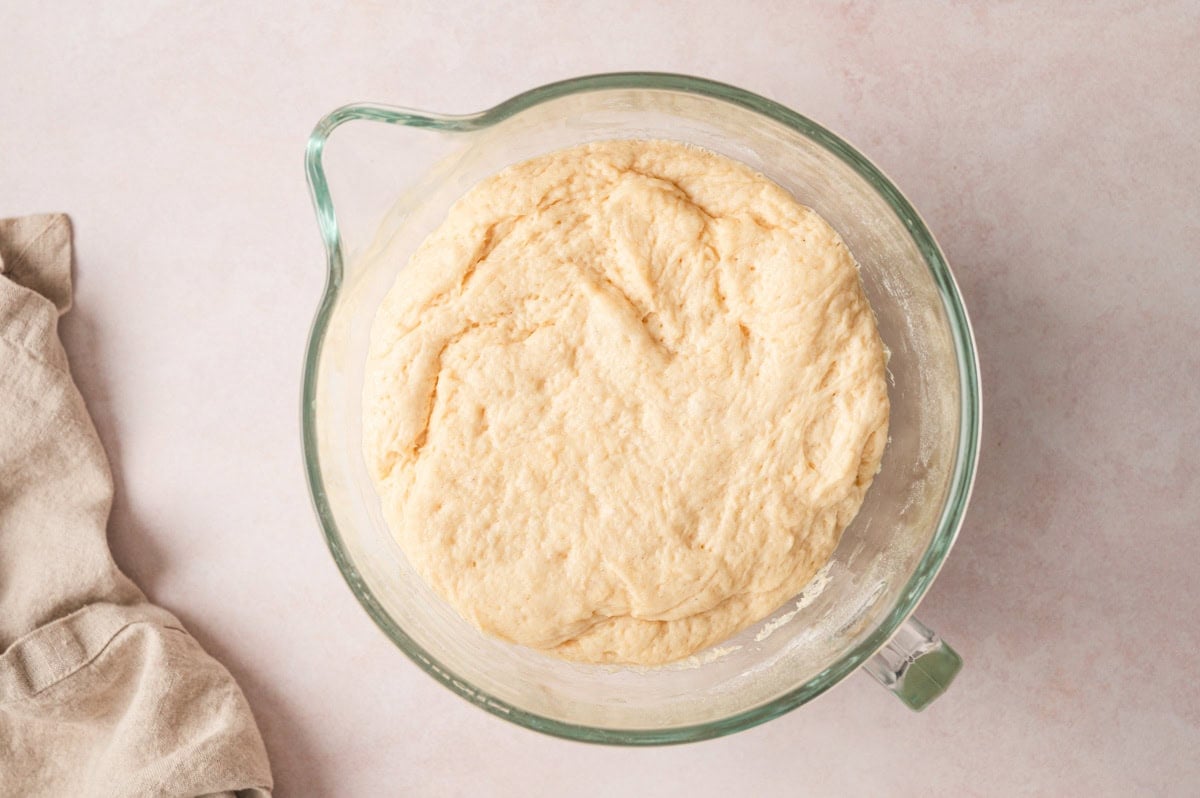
{"points": [[101, 692]]}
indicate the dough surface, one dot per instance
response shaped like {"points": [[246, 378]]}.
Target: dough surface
{"points": [[622, 403]]}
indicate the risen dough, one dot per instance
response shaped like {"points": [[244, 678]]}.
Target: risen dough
{"points": [[624, 400]]}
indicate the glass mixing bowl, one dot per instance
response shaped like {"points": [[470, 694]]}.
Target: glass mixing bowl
{"points": [[855, 613]]}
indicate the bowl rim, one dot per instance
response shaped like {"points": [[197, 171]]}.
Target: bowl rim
{"points": [[962, 476]]}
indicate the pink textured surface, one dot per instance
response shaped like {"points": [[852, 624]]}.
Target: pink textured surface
{"points": [[1052, 152]]}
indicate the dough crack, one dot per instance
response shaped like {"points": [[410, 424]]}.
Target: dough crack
{"points": [[491, 239], [676, 187], [422, 435]]}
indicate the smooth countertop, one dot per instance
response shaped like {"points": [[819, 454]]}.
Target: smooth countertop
{"points": [[1054, 155]]}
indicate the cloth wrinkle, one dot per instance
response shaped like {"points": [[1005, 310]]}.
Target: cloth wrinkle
{"points": [[102, 693]]}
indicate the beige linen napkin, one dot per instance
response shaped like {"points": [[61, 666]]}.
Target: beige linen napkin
{"points": [[101, 693]]}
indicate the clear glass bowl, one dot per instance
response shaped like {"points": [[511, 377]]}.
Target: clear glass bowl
{"points": [[388, 178]]}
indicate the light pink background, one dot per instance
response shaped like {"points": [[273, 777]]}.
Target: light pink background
{"points": [[1054, 154]]}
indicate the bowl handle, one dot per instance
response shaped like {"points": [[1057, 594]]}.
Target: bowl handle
{"points": [[916, 665]]}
